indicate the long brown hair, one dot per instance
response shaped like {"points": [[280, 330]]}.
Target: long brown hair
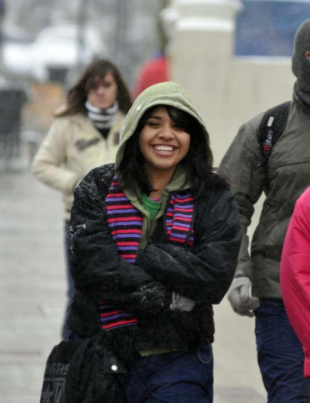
{"points": [[98, 69]]}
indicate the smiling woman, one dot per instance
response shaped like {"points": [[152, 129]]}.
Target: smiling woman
{"points": [[154, 243]]}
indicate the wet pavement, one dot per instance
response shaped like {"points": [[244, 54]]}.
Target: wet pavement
{"points": [[32, 299]]}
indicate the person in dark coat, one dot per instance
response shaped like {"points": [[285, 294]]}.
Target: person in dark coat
{"points": [[154, 244], [256, 290]]}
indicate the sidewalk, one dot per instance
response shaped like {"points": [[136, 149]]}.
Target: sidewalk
{"points": [[32, 300], [32, 284]]}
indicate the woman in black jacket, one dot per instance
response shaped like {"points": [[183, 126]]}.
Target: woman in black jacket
{"points": [[154, 243]]}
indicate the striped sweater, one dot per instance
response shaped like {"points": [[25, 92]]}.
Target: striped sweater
{"points": [[125, 223]]}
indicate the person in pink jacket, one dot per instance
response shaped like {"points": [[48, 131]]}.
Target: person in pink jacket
{"points": [[295, 274]]}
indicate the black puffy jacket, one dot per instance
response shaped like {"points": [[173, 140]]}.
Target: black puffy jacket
{"points": [[203, 272]]}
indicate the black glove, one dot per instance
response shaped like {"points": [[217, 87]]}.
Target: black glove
{"points": [[150, 300]]}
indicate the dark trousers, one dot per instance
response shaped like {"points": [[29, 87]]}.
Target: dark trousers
{"points": [[280, 355], [177, 377], [70, 283]]}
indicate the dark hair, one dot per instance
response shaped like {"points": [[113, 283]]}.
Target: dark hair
{"points": [[98, 69], [197, 163]]}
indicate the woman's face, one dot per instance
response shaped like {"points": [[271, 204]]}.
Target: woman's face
{"points": [[103, 93], [162, 143]]}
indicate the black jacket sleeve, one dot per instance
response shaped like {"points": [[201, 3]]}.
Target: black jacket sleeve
{"points": [[97, 269], [203, 273]]}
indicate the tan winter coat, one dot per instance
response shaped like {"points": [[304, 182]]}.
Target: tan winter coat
{"points": [[289, 176], [70, 150]]}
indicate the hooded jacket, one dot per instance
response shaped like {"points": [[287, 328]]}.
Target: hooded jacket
{"points": [[288, 177], [295, 274], [201, 272]]}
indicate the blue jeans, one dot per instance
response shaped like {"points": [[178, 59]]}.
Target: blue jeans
{"points": [[177, 377], [70, 283], [280, 355]]}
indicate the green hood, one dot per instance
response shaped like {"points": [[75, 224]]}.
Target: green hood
{"points": [[168, 93]]}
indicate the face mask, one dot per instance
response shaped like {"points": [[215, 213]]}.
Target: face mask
{"points": [[300, 65]]}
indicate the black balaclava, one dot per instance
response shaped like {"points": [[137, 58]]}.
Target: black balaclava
{"points": [[300, 65]]}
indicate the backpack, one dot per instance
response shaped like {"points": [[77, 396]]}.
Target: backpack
{"points": [[83, 371], [270, 130]]}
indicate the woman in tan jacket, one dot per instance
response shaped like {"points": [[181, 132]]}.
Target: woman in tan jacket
{"points": [[84, 135]]}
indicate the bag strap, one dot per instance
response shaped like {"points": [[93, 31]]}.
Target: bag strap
{"points": [[270, 130]]}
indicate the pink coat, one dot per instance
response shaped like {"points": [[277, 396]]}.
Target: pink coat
{"points": [[295, 274]]}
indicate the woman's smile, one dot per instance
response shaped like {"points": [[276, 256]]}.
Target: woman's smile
{"points": [[164, 150]]}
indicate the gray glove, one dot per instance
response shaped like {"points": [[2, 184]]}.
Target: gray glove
{"points": [[180, 303], [239, 296]]}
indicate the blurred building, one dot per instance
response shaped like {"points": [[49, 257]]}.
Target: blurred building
{"points": [[267, 27], [128, 29]]}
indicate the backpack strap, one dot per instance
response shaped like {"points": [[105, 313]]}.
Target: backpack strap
{"points": [[270, 130]]}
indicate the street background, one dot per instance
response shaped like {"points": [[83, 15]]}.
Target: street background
{"points": [[233, 57]]}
